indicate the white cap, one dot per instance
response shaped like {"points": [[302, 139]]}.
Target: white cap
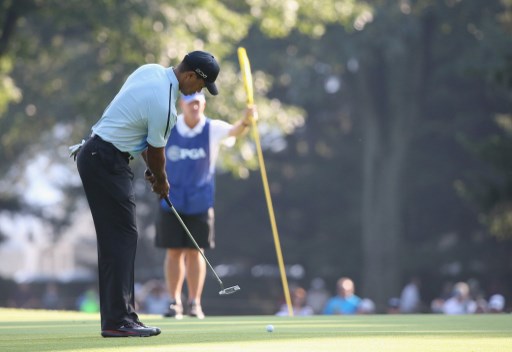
{"points": [[497, 302], [193, 97]]}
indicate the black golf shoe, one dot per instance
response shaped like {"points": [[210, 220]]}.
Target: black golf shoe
{"points": [[131, 330], [156, 331]]}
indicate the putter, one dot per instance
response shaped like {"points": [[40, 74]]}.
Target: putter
{"points": [[223, 291]]}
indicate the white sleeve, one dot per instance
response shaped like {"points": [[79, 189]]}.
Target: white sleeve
{"points": [[219, 133]]}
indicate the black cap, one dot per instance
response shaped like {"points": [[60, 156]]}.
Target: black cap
{"points": [[205, 65]]}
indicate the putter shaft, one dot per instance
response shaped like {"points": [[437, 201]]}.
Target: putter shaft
{"points": [[223, 291], [168, 201]]}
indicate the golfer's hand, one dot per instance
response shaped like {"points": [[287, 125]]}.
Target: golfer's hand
{"points": [[161, 188], [148, 176]]}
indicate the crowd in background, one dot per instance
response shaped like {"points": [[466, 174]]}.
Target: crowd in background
{"points": [[459, 298], [50, 296], [152, 298]]}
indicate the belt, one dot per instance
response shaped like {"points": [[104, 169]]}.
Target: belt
{"points": [[125, 154]]}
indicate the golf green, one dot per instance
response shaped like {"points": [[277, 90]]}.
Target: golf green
{"points": [[39, 330]]}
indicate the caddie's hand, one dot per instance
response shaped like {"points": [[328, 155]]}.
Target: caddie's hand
{"points": [[161, 188], [251, 113], [148, 176]]}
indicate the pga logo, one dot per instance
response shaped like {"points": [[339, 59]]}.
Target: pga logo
{"points": [[175, 153]]}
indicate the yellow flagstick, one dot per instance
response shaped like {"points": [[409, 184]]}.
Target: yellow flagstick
{"points": [[247, 78]]}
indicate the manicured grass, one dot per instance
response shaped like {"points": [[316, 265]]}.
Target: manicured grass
{"points": [[37, 330]]}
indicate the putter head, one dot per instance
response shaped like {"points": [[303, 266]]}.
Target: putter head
{"points": [[229, 290]]}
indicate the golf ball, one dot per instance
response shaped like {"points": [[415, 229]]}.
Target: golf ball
{"points": [[270, 328]]}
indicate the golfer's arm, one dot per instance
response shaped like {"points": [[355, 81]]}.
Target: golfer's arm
{"points": [[155, 160]]}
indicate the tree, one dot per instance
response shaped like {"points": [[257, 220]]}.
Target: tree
{"points": [[408, 80], [492, 193]]}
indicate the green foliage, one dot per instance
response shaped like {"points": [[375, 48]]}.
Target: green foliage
{"points": [[72, 57], [492, 192], [9, 92], [499, 221], [311, 17]]}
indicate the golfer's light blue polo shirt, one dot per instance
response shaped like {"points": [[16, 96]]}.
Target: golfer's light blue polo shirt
{"points": [[143, 112]]}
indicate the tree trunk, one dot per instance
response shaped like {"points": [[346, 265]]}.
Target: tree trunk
{"points": [[389, 92], [383, 166]]}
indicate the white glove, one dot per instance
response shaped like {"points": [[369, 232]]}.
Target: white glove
{"points": [[74, 149]]}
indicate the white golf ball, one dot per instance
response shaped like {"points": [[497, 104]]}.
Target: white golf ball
{"points": [[270, 328]]}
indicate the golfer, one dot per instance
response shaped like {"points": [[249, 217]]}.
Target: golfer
{"points": [[139, 120], [191, 154]]}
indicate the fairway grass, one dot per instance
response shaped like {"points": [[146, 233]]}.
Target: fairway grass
{"points": [[39, 330]]}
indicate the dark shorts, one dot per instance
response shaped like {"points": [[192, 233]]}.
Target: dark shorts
{"points": [[170, 233]]}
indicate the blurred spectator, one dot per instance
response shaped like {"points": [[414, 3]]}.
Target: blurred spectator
{"points": [[89, 301], [477, 293], [436, 306], [317, 295], [154, 298], [51, 298], [481, 305], [496, 303], [393, 305], [460, 302], [300, 308], [410, 299], [367, 306], [346, 302], [24, 297]]}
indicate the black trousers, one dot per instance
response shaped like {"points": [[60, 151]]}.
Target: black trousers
{"points": [[107, 181]]}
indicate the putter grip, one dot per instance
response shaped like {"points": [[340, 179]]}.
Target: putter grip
{"points": [[168, 201]]}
